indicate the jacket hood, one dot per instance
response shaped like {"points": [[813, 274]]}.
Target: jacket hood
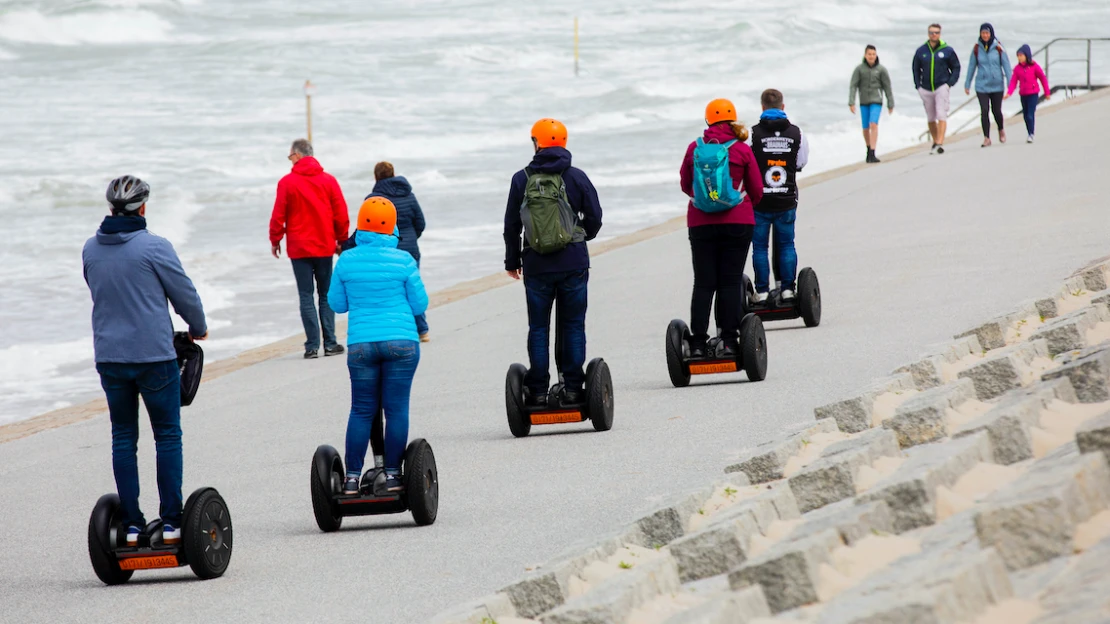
{"points": [[719, 133], [979, 40], [940, 45], [118, 229], [116, 238], [307, 166], [869, 65], [396, 186], [373, 239], [551, 160], [1028, 52]]}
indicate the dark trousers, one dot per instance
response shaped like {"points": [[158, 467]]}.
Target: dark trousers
{"points": [[988, 103], [159, 383], [719, 254], [1029, 111], [306, 270], [567, 291]]}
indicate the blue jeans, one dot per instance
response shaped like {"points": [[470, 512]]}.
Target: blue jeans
{"points": [[422, 324], [381, 378], [1029, 111], [159, 383], [567, 291], [786, 257], [305, 269]]}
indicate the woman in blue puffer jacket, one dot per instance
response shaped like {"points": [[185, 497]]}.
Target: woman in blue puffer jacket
{"points": [[380, 286], [410, 218]]}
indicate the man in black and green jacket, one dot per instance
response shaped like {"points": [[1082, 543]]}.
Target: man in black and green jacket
{"points": [[936, 69]]}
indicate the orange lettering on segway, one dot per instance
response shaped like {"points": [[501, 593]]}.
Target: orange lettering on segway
{"points": [[556, 418], [713, 367], [148, 563]]}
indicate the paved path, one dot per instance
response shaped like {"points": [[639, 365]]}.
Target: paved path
{"points": [[908, 253]]}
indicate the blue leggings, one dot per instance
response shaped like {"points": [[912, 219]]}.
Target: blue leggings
{"points": [[381, 378], [1029, 111]]}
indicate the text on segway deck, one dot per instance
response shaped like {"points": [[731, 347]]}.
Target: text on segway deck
{"points": [[711, 368], [555, 418], [148, 563]]}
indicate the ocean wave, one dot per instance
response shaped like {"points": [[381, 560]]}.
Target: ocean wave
{"points": [[113, 27]]}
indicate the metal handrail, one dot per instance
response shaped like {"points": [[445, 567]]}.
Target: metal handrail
{"points": [[1047, 65]]}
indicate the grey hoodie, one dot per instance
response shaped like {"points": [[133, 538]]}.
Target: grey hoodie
{"points": [[131, 275]]}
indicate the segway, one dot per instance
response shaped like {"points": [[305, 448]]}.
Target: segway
{"points": [[418, 474], [751, 357], [206, 540], [805, 304], [596, 406]]}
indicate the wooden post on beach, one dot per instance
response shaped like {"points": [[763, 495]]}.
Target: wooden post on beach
{"points": [[576, 46], [309, 89]]}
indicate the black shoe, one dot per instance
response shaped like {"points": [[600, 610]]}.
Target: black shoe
{"points": [[573, 397], [726, 351], [311, 355], [393, 483], [870, 155], [940, 149], [336, 350], [874, 158], [697, 349], [538, 401]]}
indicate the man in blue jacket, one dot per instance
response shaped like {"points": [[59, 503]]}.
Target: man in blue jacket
{"points": [[556, 277], [936, 69], [131, 274]]}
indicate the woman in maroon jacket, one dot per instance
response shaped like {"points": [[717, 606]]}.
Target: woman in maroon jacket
{"points": [[719, 241]]}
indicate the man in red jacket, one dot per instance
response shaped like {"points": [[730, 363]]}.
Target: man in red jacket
{"points": [[310, 209]]}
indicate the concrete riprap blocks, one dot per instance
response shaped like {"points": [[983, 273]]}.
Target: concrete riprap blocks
{"points": [[1094, 277], [1093, 436], [1102, 297], [928, 372], [671, 519], [613, 600], [788, 572], [1078, 593], [854, 414], [737, 607], [715, 549], [776, 503], [765, 462], [851, 520], [910, 492], [1033, 519], [924, 417], [1005, 369], [833, 476], [1069, 332], [1008, 423], [992, 334], [479, 611], [1088, 371]]}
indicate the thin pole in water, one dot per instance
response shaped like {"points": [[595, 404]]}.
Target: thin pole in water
{"points": [[309, 89], [576, 46]]}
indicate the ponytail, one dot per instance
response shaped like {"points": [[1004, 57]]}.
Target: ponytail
{"points": [[739, 130]]}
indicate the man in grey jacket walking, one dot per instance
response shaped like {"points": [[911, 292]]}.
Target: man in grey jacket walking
{"points": [[131, 275]]}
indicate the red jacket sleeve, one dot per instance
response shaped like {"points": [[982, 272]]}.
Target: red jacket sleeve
{"points": [[686, 173], [277, 219], [753, 181], [339, 214]]}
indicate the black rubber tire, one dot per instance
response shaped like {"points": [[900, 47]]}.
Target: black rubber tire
{"points": [[677, 367], [104, 527], [519, 422], [207, 534], [809, 297], [326, 475], [747, 295], [753, 348], [599, 395], [421, 482]]}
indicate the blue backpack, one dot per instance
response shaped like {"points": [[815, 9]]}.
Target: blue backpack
{"points": [[713, 190]]}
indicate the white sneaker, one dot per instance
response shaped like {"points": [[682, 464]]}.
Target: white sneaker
{"points": [[787, 295], [170, 535], [760, 297], [133, 535], [1030, 139]]}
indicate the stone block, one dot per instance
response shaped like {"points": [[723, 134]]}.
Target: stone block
{"points": [[715, 549], [776, 503], [924, 417], [1088, 371], [853, 415], [1078, 591], [766, 461], [613, 600], [833, 476], [1094, 278], [1048, 307], [788, 572], [1007, 423], [1102, 297], [738, 607], [910, 492], [1033, 519], [852, 521], [928, 372], [1069, 332], [671, 519], [479, 611], [1093, 436], [1004, 370], [992, 334]]}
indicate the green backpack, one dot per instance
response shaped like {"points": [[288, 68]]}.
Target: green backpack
{"points": [[550, 224]]}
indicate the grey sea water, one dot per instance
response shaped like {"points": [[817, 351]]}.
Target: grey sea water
{"points": [[202, 99]]}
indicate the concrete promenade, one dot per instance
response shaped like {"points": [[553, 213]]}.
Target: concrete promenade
{"points": [[908, 252]]}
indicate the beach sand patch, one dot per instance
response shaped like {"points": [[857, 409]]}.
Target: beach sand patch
{"points": [[1093, 531], [1021, 330], [775, 532], [879, 469], [974, 485], [626, 558], [812, 447], [886, 403], [848, 565], [723, 497], [1059, 422], [1011, 611], [967, 411]]}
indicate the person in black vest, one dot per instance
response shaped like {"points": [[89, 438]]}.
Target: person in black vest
{"points": [[781, 151]]}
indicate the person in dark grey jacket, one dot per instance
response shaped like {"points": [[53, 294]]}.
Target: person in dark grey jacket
{"points": [[131, 275], [410, 219], [871, 80]]}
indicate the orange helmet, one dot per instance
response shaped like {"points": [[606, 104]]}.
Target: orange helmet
{"points": [[719, 110], [377, 214], [549, 132]]}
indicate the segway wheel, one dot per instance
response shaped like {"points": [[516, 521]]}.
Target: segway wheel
{"points": [[421, 482], [103, 530], [753, 348], [325, 480], [809, 297], [747, 295], [519, 422], [599, 384], [207, 534], [679, 370]]}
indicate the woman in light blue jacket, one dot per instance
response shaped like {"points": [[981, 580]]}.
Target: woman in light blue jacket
{"points": [[380, 286], [992, 65]]}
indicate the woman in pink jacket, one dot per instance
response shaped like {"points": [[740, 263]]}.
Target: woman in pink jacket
{"points": [[1027, 74]]}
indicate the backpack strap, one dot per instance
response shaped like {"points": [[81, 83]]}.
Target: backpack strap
{"points": [[701, 141], [731, 143]]}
